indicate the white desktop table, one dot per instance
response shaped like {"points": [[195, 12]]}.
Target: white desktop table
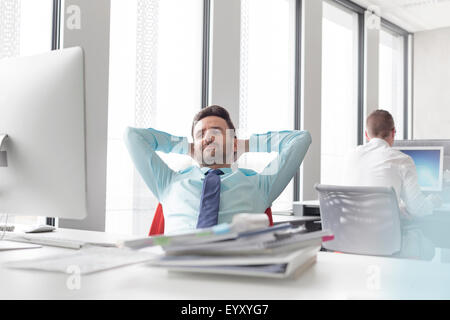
{"points": [[333, 276]]}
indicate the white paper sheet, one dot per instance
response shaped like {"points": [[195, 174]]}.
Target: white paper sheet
{"points": [[87, 260]]}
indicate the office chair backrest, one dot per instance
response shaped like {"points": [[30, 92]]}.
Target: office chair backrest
{"points": [[364, 220]]}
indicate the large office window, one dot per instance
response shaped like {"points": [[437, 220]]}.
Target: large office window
{"points": [[340, 60], [267, 77], [25, 29], [155, 81], [392, 77], [36, 26]]}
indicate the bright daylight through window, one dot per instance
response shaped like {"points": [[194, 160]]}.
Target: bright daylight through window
{"points": [[339, 89], [155, 81], [267, 77]]}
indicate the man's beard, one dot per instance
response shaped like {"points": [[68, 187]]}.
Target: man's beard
{"points": [[213, 154]]}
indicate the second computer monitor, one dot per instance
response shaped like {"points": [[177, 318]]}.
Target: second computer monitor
{"points": [[429, 165]]}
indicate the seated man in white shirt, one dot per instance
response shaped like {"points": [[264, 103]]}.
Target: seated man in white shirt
{"points": [[378, 164]]}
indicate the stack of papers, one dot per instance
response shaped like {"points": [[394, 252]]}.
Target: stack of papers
{"points": [[275, 252]]}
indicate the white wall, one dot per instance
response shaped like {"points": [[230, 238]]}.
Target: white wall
{"points": [[431, 110], [93, 37], [311, 116]]}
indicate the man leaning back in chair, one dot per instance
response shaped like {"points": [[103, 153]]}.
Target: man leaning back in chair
{"points": [[212, 192]]}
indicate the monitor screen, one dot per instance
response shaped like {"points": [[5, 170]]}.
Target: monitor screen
{"points": [[429, 163]]}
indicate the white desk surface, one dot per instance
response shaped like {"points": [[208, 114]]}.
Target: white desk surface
{"points": [[333, 276]]}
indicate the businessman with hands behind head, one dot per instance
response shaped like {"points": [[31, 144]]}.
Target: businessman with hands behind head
{"points": [[212, 192]]}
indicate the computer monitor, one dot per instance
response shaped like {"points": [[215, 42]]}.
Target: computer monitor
{"points": [[42, 111], [429, 165]]}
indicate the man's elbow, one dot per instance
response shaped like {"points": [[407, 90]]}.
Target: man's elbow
{"points": [[422, 209], [303, 138], [139, 139], [299, 145], [307, 137], [129, 136]]}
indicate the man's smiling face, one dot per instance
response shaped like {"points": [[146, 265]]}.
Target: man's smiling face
{"points": [[213, 141]]}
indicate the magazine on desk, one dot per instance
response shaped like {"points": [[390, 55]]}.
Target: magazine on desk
{"points": [[270, 242]]}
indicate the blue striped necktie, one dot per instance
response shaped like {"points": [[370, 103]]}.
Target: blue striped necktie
{"points": [[210, 199]]}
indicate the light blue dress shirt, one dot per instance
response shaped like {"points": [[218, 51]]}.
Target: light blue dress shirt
{"points": [[242, 190]]}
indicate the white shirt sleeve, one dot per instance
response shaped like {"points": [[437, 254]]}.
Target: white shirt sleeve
{"points": [[415, 201], [346, 176]]}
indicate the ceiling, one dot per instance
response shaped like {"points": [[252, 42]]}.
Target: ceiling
{"points": [[413, 15]]}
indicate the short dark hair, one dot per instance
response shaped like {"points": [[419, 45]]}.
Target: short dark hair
{"points": [[380, 124], [213, 111]]}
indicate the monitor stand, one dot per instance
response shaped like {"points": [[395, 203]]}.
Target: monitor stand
{"points": [[3, 157]]}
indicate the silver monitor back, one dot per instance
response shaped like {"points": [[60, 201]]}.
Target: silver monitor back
{"points": [[42, 110]]}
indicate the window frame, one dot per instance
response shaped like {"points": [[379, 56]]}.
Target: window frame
{"points": [[206, 52], [56, 45], [298, 84]]}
